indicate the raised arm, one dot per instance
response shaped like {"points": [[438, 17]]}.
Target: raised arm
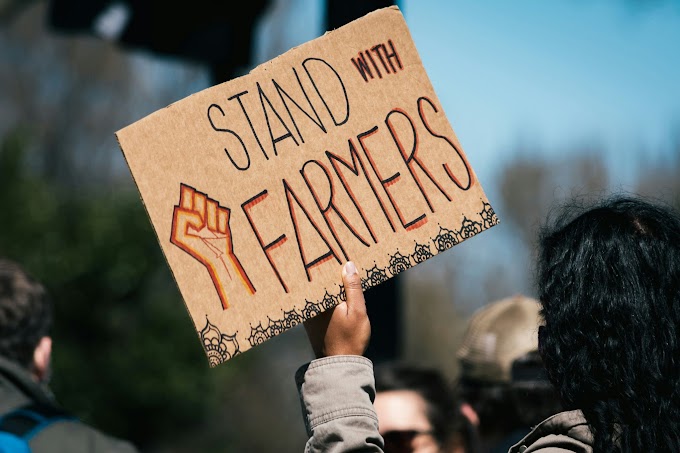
{"points": [[337, 389]]}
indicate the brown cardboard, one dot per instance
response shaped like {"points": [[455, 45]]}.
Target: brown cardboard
{"points": [[260, 188]]}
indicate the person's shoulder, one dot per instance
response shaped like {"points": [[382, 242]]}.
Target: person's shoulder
{"points": [[73, 436], [561, 433]]}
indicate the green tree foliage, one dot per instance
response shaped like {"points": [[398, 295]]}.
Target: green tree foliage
{"points": [[126, 356]]}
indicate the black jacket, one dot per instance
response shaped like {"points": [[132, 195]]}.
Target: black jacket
{"points": [[17, 388]]}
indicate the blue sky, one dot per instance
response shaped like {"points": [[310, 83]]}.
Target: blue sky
{"points": [[553, 73], [547, 76]]}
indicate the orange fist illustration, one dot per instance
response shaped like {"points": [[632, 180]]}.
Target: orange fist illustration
{"points": [[200, 227]]}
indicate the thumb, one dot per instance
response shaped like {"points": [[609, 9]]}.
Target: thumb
{"points": [[353, 290]]}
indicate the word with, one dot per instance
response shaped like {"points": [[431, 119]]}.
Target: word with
{"points": [[385, 58]]}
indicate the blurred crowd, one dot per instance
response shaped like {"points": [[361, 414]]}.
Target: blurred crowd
{"points": [[591, 366], [588, 364]]}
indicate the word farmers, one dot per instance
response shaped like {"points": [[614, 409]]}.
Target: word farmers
{"points": [[318, 217]]}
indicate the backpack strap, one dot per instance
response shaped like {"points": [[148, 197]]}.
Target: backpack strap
{"points": [[27, 420]]}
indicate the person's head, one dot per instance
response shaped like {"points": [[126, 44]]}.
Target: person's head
{"points": [[25, 320], [609, 282], [418, 411], [501, 374]]}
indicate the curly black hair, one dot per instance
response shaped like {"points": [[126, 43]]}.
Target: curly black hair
{"points": [[25, 313], [608, 279]]}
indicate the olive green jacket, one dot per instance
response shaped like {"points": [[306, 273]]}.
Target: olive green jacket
{"points": [[18, 388]]}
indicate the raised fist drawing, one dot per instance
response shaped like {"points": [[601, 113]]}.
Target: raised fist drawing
{"points": [[200, 227]]}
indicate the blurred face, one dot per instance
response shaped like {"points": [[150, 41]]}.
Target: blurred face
{"points": [[403, 423]]}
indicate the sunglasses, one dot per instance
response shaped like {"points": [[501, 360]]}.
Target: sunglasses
{"points": [[401, 441]]}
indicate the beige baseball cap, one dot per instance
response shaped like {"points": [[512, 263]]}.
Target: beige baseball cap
{"points": [[498, 334]]}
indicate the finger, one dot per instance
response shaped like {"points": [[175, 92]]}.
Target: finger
{"points": [[222, 219], [211, 211], [186, 197], [199, 204], [353, 291]]}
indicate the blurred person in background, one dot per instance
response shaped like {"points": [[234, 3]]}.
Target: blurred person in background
{"points": [[502, 380], [418, 411], [25, 356], [609, 286]]}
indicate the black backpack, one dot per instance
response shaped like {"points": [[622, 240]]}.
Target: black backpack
{"points": [[20, 425]]}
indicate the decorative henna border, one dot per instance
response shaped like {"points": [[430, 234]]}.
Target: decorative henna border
{"points": [[221, 347]]}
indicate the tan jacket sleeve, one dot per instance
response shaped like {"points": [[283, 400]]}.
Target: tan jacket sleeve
{"points": [[562, 433], [336, 394]]}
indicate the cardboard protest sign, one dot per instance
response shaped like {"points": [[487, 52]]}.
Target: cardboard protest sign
{"points": [[260, 188]]}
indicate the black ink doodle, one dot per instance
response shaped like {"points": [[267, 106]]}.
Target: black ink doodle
{"points": [[421, 253], [218, 346], [398, 263], [469, 228], [488, 216], [445, 239], [258, 335]]}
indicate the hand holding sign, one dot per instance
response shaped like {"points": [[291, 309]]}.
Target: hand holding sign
{"points": [[200, 227], [344, 329]]}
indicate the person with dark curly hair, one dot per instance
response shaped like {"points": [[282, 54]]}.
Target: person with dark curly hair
{"points": [[25, 357], [608, 280], [419, 411]]}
